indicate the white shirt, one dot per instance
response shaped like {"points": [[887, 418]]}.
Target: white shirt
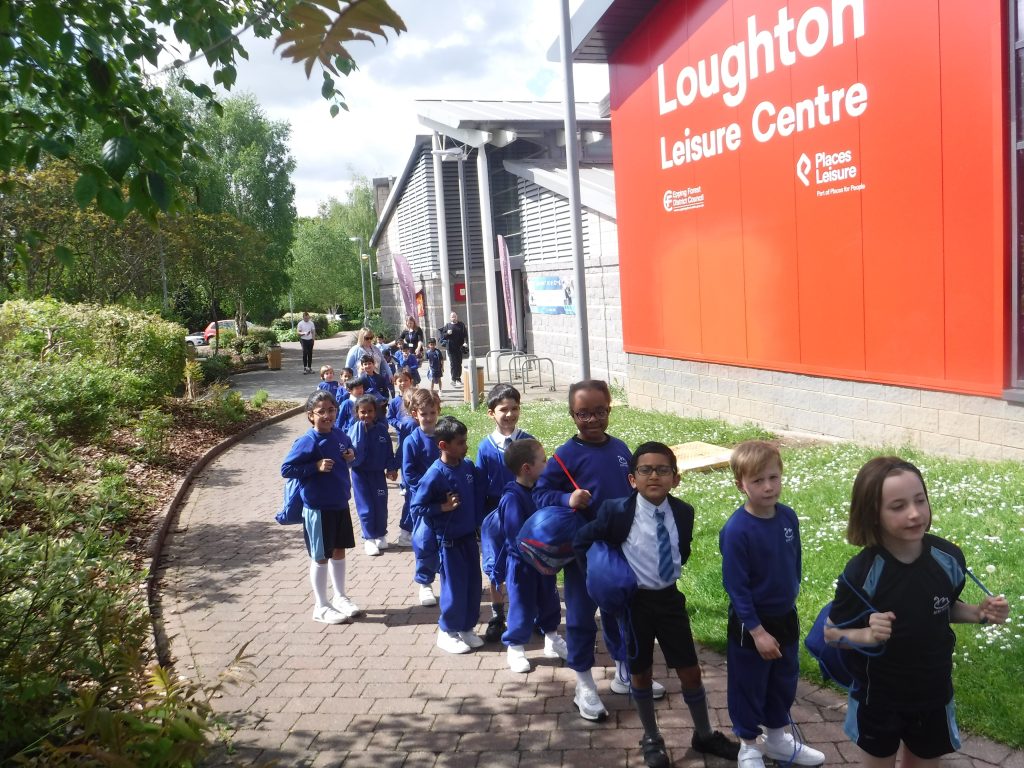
{"points": [[499, 439], [306, 329], [641, 546]]}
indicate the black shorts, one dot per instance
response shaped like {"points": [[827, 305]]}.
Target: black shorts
{"points": [[659, 614], [878, 730], [326, 530]]}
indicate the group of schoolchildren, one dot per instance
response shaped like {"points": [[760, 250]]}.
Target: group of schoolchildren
{"points": [[903, 693]]}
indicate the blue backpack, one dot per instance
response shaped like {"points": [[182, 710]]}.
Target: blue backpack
{"points": [[611, 581], [545, 540], [291, 506], [492, 547]]}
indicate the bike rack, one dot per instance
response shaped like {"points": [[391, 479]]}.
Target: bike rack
{"points": [[522, 366]]}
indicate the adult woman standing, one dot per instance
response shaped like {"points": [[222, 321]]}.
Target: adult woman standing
{"points": [[364, 346], [412, 337], [307, 335]]}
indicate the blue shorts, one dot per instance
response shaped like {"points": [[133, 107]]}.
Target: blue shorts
{"points": [[326, 530], [878, 730]]}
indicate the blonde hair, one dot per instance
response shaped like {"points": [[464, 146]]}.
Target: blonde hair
{"points": [[324, 369], [751, 457]]}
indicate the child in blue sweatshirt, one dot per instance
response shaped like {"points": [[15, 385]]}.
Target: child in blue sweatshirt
{"points": [[434, 361], [450, 497], [355, 388], [594, 467], [378, 384], [503, 405], [328, 384], [319, 459], [419, 452], [374, 461], [532, 596]]}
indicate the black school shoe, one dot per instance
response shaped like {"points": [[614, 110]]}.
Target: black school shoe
{"points": [[655, 755], [495, 629], [717, 744]]}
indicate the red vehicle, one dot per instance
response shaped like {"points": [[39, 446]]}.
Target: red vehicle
{"points": [[225, 325]]}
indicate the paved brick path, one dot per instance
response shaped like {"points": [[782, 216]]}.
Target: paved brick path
{"points": [[377, 692]]}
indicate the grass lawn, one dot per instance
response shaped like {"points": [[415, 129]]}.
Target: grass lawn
{"points": [[978, 505]]}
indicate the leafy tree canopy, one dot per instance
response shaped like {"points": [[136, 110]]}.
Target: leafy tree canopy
{"points": [[73, 66]]}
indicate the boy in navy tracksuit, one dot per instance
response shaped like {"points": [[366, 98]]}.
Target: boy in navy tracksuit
{"points": [[356, 388], [503, 405], [761, 568], [450, 497], [435, 364], [596, 468], [419, 452], [399, 420], [532, 596], [378, 384], [374, 460], [411, 361], [653, 530], [319, 460]]}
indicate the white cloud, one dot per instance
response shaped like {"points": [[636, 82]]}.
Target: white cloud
{"points": [[459, 49]]}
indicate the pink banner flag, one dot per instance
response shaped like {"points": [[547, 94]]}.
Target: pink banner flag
{"points": [[506, 286], [404, 274]]}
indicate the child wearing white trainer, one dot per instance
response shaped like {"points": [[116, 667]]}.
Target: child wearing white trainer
{"points": [[319, 460], [532, 597]]}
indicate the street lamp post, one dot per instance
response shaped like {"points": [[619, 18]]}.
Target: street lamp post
{"points": [[460, 155], [362, 275], [369, 270]]}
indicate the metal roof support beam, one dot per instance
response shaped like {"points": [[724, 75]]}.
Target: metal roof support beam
{"points": [[572, 166], [468, 136], [483, 181], [442, 232]]}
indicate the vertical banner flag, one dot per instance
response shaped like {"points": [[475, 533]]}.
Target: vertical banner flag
{"points": [[506, 286], [404, 275]]}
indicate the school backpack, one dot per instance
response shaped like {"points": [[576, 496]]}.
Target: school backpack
{"points": [[492, 547], [545, 540], [291, 508], [611, 581]]}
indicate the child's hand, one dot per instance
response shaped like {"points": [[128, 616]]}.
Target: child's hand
{"points": [[349, 454], [580, 499], [451, 503], [392, 474], [325, 465], [994, 609], [880, 626], [766, 644]]}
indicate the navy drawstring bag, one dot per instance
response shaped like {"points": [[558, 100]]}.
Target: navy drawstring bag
{"points": [[611, 581], [291, 507], [545, 540], [830, 658]]}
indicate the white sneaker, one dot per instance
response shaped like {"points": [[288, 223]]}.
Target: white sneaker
{"points": [[621, 687], [370, 547], [450, 642], [749, 757], [589, 703], [426, 593], [554, 646], [517, 660], [328, 614], [346, 607], [382, 543], [472, 639], [788, 750], [404, 539]]}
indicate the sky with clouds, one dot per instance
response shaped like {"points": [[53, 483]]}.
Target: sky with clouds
{"points": [[454, 49]]}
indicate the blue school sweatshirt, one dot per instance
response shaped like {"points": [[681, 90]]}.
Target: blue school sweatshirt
{"points": [[334, 388], [400, 421], [419, 451], [373, 447], [515, 508], [490, 458], [320, 490], [346, 414], [432, 491], [599, 468]]}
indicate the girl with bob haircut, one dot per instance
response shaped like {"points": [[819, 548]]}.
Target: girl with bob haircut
{"points": [[894, 604]]}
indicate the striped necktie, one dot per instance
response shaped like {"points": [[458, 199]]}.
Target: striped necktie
{"points": [[666, 567]]}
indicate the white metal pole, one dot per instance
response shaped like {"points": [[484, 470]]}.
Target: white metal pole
{"points": [[362, 276], [473, 395], [572, 167]]}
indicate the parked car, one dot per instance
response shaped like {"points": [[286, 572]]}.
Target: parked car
{"points": [[195, 339], [225, 325]]}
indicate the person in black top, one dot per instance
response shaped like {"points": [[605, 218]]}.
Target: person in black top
{"points": [[411, 338], [454, 336]]}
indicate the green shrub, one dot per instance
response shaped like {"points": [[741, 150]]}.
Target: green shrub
{"points": [[223, 406], [259, 399], [288, 335], [216, 368], [153, 429], [47, 331]]}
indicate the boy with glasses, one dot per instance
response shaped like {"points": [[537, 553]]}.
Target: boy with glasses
{"points": [[588, 468], [654, 531]]}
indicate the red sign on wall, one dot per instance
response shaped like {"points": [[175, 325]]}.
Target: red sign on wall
{"points": [[459, 290], [816, 187]]}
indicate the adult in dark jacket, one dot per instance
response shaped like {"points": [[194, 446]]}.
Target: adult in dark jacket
{"points": [[454, 336]]}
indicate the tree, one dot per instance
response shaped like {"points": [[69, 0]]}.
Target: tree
{"points": [[69, 66]]}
